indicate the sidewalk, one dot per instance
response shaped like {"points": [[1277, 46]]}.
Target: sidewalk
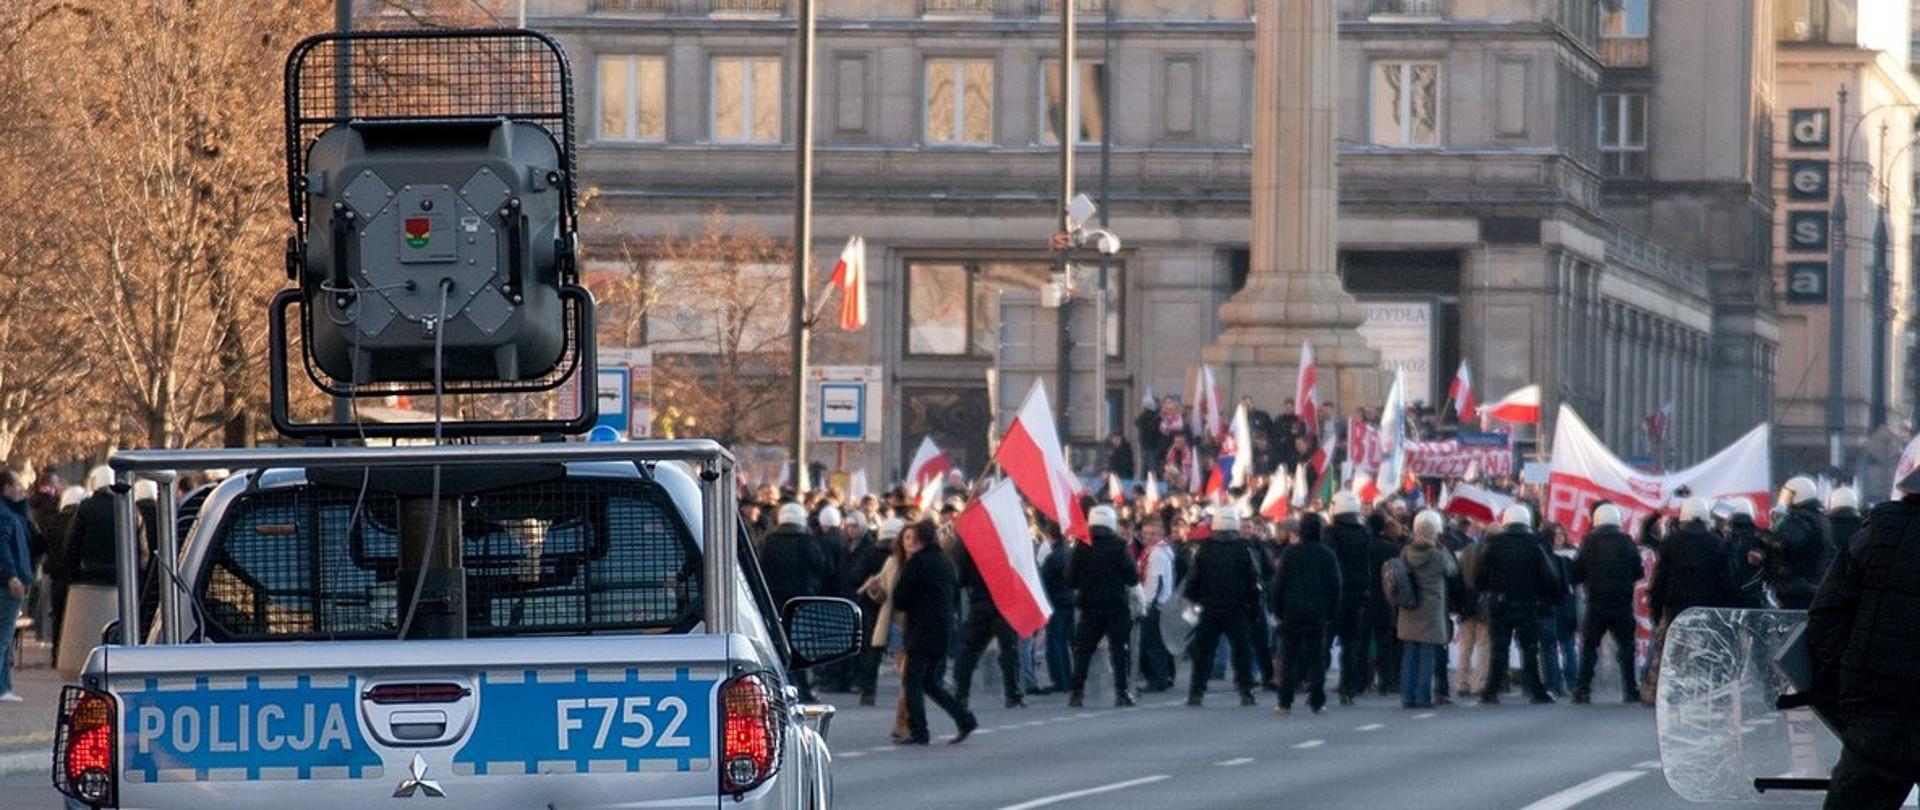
{"points": [[26, 728]]}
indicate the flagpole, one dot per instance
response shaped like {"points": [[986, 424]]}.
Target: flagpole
{"points": [[800, 324]]}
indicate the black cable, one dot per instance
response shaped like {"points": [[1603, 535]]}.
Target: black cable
{"points": [[433, 519]]}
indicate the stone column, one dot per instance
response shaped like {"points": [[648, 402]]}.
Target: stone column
{"points": [[1293, 291]]}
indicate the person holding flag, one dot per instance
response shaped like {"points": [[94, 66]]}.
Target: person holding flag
{"points": [[1031, 455]]}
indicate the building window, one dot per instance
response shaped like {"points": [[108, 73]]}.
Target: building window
{"points": [[953, 307], [746, 99], [959, 101], [1092, 114], [1406, 103], [633, 98], [1800, 20], [1623, 134], [1623, 33]]}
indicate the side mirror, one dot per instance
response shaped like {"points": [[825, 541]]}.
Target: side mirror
{"points": [[110, 632], [821, 629]]}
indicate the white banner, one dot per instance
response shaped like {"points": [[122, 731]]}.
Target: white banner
{"points": [[1586, 473]]}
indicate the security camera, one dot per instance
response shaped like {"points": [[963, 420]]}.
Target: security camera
{"points": [[1104, 241]]}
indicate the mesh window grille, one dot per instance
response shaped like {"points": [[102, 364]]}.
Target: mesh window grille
{"points": [[568, 557]]}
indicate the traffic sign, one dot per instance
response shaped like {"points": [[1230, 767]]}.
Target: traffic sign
{"points": [[843, 403]]}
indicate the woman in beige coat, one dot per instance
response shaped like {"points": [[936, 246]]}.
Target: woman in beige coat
{"points": [[888, 634], [1423, 627]]}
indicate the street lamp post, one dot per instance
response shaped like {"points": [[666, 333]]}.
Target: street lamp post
{"points": [[1063, 266], [800, 318]]}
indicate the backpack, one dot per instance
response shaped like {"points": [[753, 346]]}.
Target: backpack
{"points": [[1397, 580]]}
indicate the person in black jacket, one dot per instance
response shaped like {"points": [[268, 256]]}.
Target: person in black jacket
{"points": [[866, 556], [1382, 618], [926, 592], [1305, 597], [1100, 573], [983, 624], [791, 564], [1608, 565], [1843, 516], [1748, 553], [1223, 583], [1805, 543], [1862, 631], [1352, 543], [1692, 572], [1518, 579]]}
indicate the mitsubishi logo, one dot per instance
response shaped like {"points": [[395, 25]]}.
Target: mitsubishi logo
{"points": [[417, 780]]}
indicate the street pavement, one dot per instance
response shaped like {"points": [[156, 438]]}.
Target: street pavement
{"points": [[1165, 755]]}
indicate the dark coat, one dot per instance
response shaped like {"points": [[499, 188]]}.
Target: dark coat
{"points": [[1100, 572], [1306, 584], [1692, 572], [1053, 576], [926, 592], [1746, 582], [1153, 445], [1379, 612], [1223, 576], [1120, 460], [1515, 572], [831, 550], [790, 562], [1843, 524], [89, 555], [973, 587], [1352, 542], [16, 547], [1863, 633], [1806, 550], [1608, 565]]}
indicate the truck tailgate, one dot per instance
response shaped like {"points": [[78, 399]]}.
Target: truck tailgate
{"points": [[575, 722]]}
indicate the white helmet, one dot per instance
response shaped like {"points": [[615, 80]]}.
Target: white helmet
{"points": [[1799, 489], [99, 478], [1103, 517], [1345, 503], [1609, 516], [1843, 498], [1517, 515], [1742, 507], [1427, 526], [830, 517], [1693, 509], [793, 514], [1226, 519], [146, 489], [72, 496]]}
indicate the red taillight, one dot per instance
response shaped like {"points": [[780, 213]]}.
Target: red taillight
{"points": [[84, 746], [750, 733]]}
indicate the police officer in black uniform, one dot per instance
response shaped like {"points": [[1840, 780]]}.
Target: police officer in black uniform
{"points": [[1100, 573], [1518, 579], [1608, 565], [1223, 582], [1863, 632], [1352, 544], [1805, 544]]}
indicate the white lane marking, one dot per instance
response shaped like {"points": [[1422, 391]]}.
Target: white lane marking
{"points": [[1371, 727], [1423, 716], [1311, 744], [1007, 727], [853, 755], [1585, 790], [1174, 702], [1234, 763], [26, 761], [1057, 798], [983, 731], [1649, 765], [880, 749]]}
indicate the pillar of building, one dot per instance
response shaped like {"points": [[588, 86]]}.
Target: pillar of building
{"points": [[1293, 293]]}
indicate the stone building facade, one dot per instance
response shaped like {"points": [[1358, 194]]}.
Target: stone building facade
{"points": [[1483, 193]]}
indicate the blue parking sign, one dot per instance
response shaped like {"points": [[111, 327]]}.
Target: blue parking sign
{"points": [[843, 411]]}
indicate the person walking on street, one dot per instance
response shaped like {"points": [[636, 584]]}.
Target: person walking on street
{"points": [[1100, 573], [1862, 629], [1053, 555], [1422, 628], [1156, 578], [1692, 572], [1608, 565], [1304, 598], [1382, 617], [1474, 640], [1517, 579], [984, 624], [1352, 543], [1223, 584], [16, 570], [792, 565], [926, 592], [1748, 555]]}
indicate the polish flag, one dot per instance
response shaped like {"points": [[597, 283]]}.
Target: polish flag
{"points": [[1276, 506], [929, 465], [1364, 488], [1030, 455], [1460, 393], [1476, 503], [1206, 405], [1236, 454], [1323, 455], [1301, 493], [850, 278], [857, 486], [1114, 492], [1658, 422], [1393, 433], [994, 530], [1193, 470], [1150, 500], [1519, 407], [1306, 393]]}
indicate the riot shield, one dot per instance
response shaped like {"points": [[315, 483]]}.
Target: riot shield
{"points": [[1722, 739], [1178, 617]]}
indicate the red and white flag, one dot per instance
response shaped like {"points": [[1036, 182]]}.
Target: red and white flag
{"points": [[1150, 499], [850, 278], [1237, 452], [1205, 417], [1584, 473], [929, 465], [994, 530], [1364, 488], [1323, 455], [1658, 422], [1306, 392], [1030, 455], [1460, 393], [1301, 491], [1393, 434], [1521, 407], [1278, 502], [1114, 492], [1476, 503]]}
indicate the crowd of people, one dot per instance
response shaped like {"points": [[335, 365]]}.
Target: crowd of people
{"points": [[1408, 600]]}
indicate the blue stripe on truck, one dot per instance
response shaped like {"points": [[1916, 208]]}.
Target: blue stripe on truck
{"points": [[579, 720], [205, 729]]}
